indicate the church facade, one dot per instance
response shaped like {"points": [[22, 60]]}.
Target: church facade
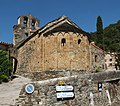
{"points": [[59, 45]]}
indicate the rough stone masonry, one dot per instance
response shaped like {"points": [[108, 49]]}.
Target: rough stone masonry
{"points": [[85, 90], [59, 45]]}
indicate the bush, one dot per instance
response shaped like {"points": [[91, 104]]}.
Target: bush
{"points": [[4, 78], [97, 69]]}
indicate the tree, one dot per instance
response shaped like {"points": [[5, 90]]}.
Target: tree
{"points": [[108, 38], [5, 63], [99, 25], [99, 33]]}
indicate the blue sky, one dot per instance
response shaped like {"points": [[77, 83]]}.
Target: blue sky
{"points": [[83, 12]]}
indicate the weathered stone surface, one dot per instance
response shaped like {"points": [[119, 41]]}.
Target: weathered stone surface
{"points": [[106, 76], [44, 55], [60, 45], [84, 87]]}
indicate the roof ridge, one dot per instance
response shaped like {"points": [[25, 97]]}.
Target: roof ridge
{"points": [[57, 19], [92, 43], [53, 22]]}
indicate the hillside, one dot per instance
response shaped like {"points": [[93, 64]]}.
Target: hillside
{"points": [[110, 39]]}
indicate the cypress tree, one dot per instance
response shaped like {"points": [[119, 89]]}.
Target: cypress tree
{"points": [[99, 33], [99, 25]]}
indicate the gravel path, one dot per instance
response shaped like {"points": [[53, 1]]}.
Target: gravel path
{"points": [[10, 91]]}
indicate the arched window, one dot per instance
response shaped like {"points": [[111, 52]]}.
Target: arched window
{"points": [[25, 21], [96, 58], [63, 41], [79, 40], [33, 24]]}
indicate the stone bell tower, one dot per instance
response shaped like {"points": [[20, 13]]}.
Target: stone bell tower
{"points": [[26, 26]]}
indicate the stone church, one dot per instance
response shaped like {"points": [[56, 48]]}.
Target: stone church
{"points": [[59, 45]]}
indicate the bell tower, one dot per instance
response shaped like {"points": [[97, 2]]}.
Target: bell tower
{"points": [[25, 27]]}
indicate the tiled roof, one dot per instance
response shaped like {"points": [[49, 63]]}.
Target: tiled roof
{"points": [[93, 44]]}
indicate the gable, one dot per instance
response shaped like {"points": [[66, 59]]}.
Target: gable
{"points": [[61, 24], [65, 27]]}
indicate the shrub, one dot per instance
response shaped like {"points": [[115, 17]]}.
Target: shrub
{"points": [[97, 69], [4, 78]]}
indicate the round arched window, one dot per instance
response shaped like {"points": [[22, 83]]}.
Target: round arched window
{"points": [[79, 40], [25, 21], [63, 41], [33, 24]]}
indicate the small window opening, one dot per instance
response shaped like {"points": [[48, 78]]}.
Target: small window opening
{"points": [[110, 59], [63, 41], [33, 24], [110, 64], [95, 58], [25, 22], [79, 40], [103, 66]]}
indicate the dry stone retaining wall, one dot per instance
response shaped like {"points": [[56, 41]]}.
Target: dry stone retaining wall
{"points": [[85, 90]]}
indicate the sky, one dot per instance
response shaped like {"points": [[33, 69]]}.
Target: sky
{"points": [[82, 12]]}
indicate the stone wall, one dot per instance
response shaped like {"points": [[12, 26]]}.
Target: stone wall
{"points": [[25, 27], [97, 57], [85, 91], [48, 53], [59, 45], [40, 75]]}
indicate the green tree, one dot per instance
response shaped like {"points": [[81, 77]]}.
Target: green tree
{"points": [[99, 25], [99, 33], [112, 37], [5, 63], [109, 37]]}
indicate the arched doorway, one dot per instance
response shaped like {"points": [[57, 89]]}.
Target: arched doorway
{"points": [[14, 64]]}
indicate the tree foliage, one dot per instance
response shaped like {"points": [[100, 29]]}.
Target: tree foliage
{"points": [[5, 63], [99, 25], [110, 39], [98, 36]]}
